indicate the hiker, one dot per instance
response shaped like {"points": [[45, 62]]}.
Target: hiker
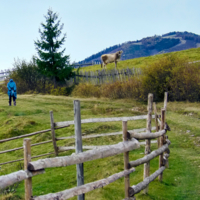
{"points": [[12, 92]]}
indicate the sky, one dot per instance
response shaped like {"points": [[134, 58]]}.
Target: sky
{"points": [[90, 25]]}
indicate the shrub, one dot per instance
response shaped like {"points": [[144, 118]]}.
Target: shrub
{"points": [[129, 89], [113, 90], [157, 77], [86, 90], [185, 84]]}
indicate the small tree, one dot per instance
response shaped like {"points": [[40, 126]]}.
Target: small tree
{"points": [[51, 62]]}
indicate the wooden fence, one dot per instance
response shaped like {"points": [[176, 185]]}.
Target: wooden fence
{"points": [[104, 76], [129, 143]]}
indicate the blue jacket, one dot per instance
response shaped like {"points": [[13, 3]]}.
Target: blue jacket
{"points": [[12, 89]]}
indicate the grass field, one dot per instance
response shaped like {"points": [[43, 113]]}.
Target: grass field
{"points": [[180, 181], [190, 54]]}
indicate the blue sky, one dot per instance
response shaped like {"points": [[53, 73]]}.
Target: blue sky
{"points": [[91, 25]]}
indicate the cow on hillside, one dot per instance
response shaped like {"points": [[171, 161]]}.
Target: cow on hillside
{"points": [[109, 58]]}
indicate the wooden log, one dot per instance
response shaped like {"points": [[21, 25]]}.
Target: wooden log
{"points": [[126, 159], [45, 142], [103, 134], [78, 144], [148, 141], [142, 185], [84, 147], [66, 194], [12, 161], [12, 178], [46, 154], [15, 149], [93, 147], [27, 159], [150, 156], [95, 120], [23, 159], [85, 156], [165, 101], [61, 126], [161, 142], [10, 150], [31, 134], [72, 148], [146, 135], [53, 135], [23, 136], [156, 122]]}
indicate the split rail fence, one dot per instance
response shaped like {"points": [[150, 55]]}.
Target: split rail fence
{"points": [[129, 143]]}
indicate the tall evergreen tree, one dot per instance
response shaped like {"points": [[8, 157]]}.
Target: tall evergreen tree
{"points": [[52, 62]]}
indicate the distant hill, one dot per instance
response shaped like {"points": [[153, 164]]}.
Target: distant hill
{"points": [[173, 41]]}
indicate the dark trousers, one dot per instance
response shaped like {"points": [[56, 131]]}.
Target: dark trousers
{"points": [[10, 99]]}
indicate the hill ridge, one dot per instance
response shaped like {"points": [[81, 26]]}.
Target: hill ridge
{"points": [[169, 42]]}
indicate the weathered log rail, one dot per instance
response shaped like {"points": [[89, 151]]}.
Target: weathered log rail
{"points": [[59, 125], [94, 154], [24, 136], [130, 142]]}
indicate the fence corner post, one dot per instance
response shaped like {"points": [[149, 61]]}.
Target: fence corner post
{"points": [[78, 144], [27, 159], [53, 135], [126, 160], [148, 141]]}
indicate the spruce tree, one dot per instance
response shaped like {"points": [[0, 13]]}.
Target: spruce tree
{"points": [[52, 62]]}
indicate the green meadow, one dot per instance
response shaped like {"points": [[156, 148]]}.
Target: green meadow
{"points": [[180, 181]]}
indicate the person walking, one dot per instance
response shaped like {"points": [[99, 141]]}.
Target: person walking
{"points": [[12, 92]]}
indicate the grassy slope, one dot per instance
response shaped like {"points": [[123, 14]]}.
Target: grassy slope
{"points": [[180, 181], [191, 54]]}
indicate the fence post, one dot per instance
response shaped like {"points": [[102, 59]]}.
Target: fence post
{"points": [[165, 101], [126, 160], [53, 134], [78, 144], [156, 122], [148, 141], [162, 138], [27, 159]]}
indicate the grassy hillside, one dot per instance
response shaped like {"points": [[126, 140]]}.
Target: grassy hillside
{"points": [[180, 181], [190, 54]]}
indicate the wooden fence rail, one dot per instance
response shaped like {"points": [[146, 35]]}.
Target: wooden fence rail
{"points": [[129, 143], [85, 156], [66, 194], [59, 125], [95, 120]]}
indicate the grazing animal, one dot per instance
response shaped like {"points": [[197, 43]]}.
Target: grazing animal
{"points": [[110, 58]]}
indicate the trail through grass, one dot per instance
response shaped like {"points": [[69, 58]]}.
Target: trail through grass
{"points": [[180, 181]]}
